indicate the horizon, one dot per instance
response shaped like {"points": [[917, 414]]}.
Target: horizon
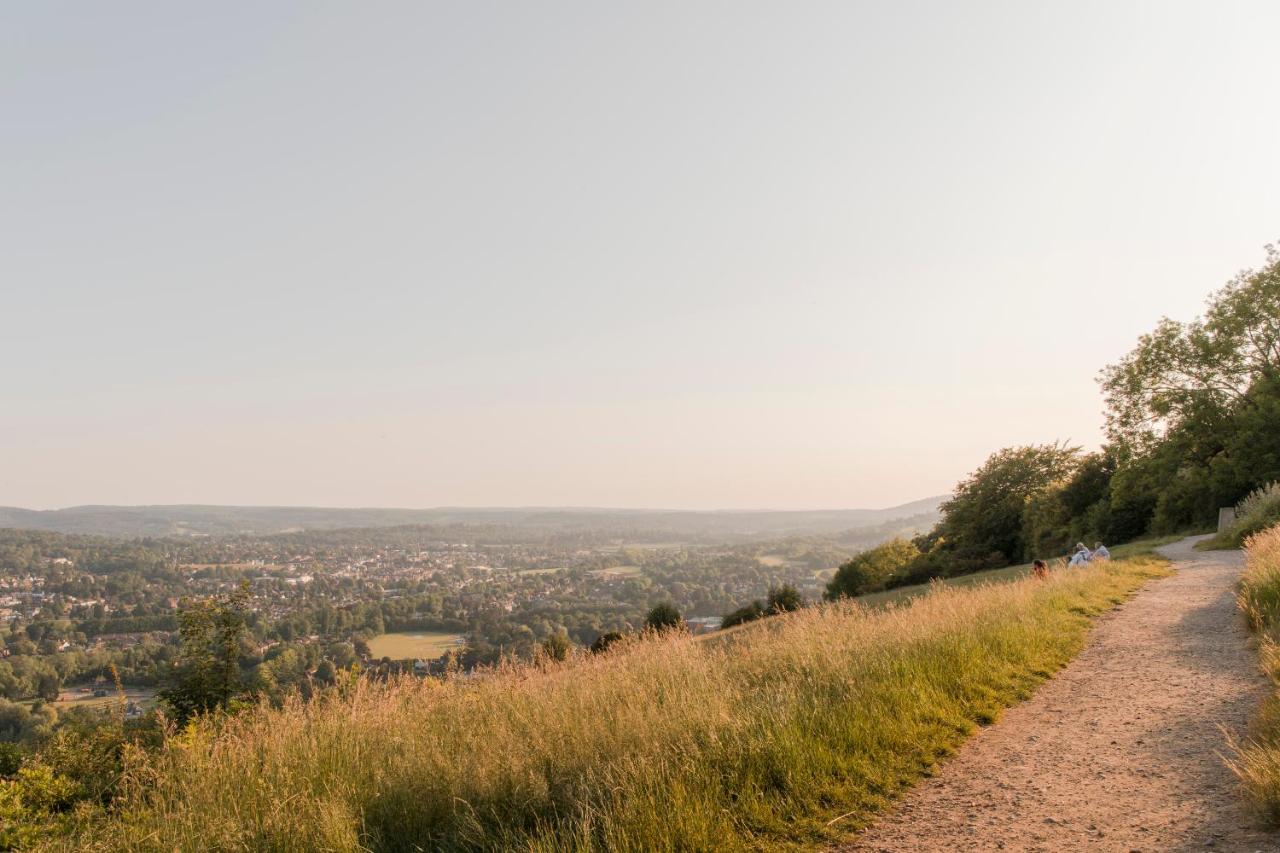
{"points": [[668, 256], [496, 508]]}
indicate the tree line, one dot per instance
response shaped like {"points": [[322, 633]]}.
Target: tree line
{"points": [[1192, 425]]}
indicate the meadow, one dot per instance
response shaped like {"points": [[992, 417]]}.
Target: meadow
{"points": [[411, 645], [794, 734], [620, 571]]}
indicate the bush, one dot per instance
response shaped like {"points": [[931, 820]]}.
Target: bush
{"points": [[31, 805], [753, 611], [1259, 511], [781, 599], [556, 647], [871, 570], [663, 617], [11, 756], [604, 641], [784, 599]]}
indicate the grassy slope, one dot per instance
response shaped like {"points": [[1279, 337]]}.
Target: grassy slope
{"points": [[1131, 549], [1257, 761], [903, 594], [666, 744]]}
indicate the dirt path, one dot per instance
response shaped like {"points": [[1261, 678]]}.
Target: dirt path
{"points": [[1121, 750]]}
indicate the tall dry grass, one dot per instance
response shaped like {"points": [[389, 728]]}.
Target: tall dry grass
{"points": [[793, 732], [1257, 512], [1257, 760]]}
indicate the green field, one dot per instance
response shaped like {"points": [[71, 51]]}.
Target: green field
{"points": [[623, 571], [408, 645]]}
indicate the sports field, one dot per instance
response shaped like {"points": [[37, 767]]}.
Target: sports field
{"points": [[411, 645]]}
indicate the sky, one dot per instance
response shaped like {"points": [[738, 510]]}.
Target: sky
{"points": [[663, 254]]}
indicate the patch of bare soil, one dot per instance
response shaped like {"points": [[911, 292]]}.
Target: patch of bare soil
{"points": [[1121, 750]]}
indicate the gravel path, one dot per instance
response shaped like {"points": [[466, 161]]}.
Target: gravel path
{"points": [[1121, 750]]}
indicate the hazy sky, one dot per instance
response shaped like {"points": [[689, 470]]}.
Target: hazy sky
{"points": [[683, 254]]}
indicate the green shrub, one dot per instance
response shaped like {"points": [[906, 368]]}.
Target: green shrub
{"points": [[871, 570], [784, 599], [753, 611], [31, 805], [663, 617], [605, 641], [556, 647], [11, 756], [1257, 512]]}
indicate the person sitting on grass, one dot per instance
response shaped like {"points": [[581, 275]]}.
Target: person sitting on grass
{"points": [[1040, 569], [1081, 556], [1100, 552]]}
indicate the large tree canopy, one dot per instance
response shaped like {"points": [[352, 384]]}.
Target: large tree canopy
{"points": [[1203, 369], [982, 522]]}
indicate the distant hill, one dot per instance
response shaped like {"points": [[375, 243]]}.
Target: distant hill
{"points": [[197, 520]]}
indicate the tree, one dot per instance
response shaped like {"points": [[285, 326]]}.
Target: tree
{"points": [[210, 632], [1191, 414], [1182, 371], [326, 672], [556, 646], [48, 686], [982, 523], [784, 599], [1252, 450], [15, 721], [605, 641], [663, 617], [11, 756], [753, 611], [1088, 484], [22, 724], [871, 570]]}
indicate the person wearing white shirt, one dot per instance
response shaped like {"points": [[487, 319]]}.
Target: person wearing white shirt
{"points": [[1100, 551], [1081, 556]]}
